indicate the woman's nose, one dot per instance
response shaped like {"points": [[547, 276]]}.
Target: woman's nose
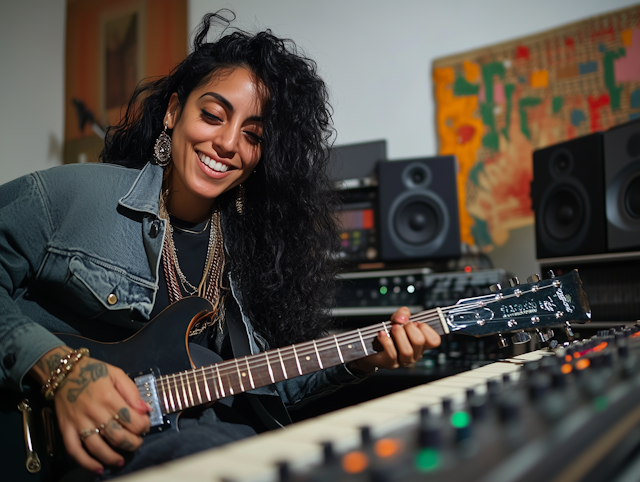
{"points": [[227, 140]]}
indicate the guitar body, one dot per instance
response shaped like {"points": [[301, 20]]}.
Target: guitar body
{"points": [[161, 346]]}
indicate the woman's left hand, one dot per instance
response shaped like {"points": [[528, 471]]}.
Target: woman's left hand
{"points": [[405, 346]]}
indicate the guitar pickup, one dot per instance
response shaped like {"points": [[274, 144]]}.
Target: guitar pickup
{"points": [[147, 387]]}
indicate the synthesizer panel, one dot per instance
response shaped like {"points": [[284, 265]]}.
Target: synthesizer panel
{"points": [[567, 415]]}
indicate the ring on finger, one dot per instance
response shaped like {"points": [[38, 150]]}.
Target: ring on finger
{"points": [[88, 432], [114, 419]]}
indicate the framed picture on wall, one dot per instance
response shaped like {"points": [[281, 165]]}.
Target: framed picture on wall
{"points": [[112, 45]]}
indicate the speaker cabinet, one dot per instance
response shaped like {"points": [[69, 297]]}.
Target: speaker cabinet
{"points": [[622, 181], [567, 195], [418, 209]]}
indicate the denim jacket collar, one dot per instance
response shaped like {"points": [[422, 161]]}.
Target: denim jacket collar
{"points": [[144, 193]]}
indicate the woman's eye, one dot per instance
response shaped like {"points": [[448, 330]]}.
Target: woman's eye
{"points": [[210, 116], [254, 137]]}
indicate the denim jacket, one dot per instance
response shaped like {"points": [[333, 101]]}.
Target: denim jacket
{"points": [[80, 250]]}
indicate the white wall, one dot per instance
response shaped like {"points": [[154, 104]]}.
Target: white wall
{"points": [[32, 44]]}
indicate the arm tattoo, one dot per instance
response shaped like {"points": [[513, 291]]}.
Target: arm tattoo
{"points": [[124, 415], [88, 373], [50, 363]]}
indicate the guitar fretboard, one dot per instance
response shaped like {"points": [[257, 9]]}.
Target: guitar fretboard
{"points": [[190, 388]]}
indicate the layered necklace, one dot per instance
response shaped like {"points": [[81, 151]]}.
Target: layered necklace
{"points": [[210, 285]]}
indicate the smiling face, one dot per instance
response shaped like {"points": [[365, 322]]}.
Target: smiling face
{"points": [[216, 141]]}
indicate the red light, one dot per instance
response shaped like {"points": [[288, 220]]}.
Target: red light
{"points": [[467, 269]]}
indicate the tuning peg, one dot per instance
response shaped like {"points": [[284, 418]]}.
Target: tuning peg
{"points": [[544, 335], [550, 274], [495, 288], [568, 330], [534, 278], [502, 341], [514, 281], [520, 337]]}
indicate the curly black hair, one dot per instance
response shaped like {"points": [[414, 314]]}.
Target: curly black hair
{"points": [[280, 251]]}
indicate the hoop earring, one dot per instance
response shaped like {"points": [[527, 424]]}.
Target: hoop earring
{"points": [[162, 149], [240, 198]]}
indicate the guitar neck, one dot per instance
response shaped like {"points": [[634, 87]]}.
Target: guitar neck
{"points": [[182, 390]]}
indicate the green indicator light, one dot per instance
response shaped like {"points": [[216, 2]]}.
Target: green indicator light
{"points": [[383, 290], [428, 460], [460, 419], [600, 404]]}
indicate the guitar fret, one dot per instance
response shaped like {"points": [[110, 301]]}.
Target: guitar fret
{"points": [[231, 392], [249, 372], [220, 381], [184, 392], [295, 354], [384, 325], [366, 352], [317, 354], [193, 403], [195, 379], [284, 370], [338, 347], [206, 384], [173, 405], [266, 354], [239, 376], [176, 391], [164, 395]]}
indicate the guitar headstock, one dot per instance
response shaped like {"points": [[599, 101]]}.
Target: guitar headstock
{"points": [[537, 304]]}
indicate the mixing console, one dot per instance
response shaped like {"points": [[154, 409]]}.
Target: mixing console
{"points": [[567, 415]]}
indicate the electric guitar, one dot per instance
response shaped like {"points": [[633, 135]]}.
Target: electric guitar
{"points": [[169, 381]]}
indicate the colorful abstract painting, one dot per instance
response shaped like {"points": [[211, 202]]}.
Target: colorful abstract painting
{"points": [[496, 105]]}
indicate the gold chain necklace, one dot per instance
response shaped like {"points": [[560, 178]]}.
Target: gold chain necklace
{"points": [[210, 285]]}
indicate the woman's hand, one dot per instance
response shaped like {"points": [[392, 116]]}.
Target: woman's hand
{"points": [[99, 410], [405, 346]]}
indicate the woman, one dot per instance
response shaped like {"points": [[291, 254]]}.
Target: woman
{"points": [[220, 192]]}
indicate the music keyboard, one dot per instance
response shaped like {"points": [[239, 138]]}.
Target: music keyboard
{"points": [[256, 459]]}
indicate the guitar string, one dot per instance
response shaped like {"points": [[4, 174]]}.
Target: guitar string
{"points": [[303, 349], [195, 376]]}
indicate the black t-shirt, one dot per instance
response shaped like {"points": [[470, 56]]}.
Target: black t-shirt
{"points": [[191, 242]]}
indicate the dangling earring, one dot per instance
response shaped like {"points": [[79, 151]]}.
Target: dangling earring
{"points": [[240, 196], [162, 149]]}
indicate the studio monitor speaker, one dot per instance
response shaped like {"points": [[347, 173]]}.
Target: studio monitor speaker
{"points": [[567, 195], [622, 185], [418, 209]]}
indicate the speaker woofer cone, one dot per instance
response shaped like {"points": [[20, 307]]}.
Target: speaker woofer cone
{"points": [[417, 222], [563, 214], [632, 198]]}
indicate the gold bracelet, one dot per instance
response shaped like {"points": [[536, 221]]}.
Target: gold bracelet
{"points": [[64, 367]]}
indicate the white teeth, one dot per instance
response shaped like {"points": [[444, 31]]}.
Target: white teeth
{"points": [[216, 166]]}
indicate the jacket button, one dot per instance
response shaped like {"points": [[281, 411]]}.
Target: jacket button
{"points": [[154, 229], [112, 299], [9, 360]]}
